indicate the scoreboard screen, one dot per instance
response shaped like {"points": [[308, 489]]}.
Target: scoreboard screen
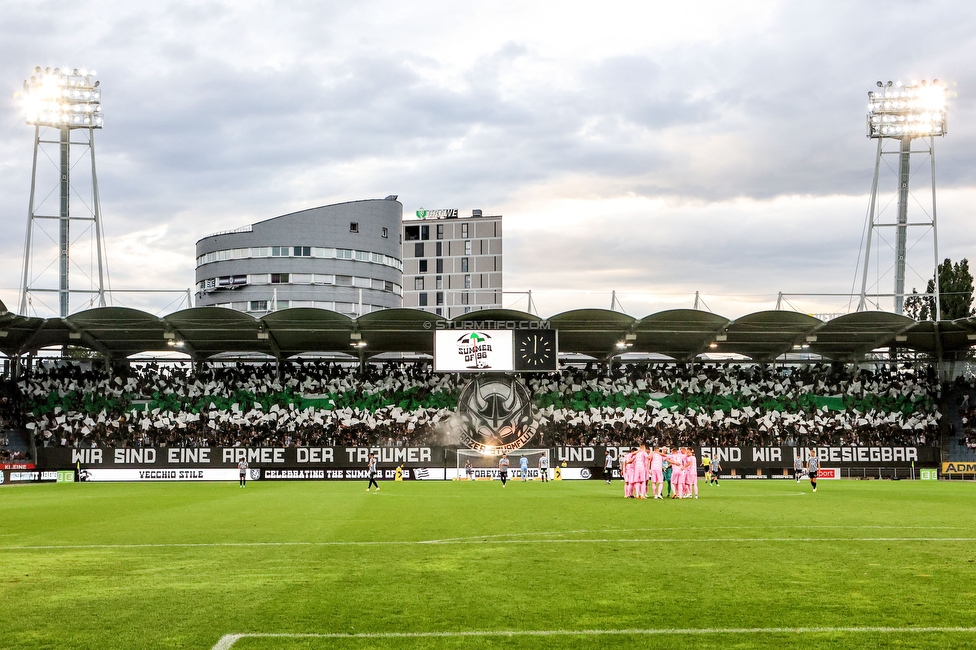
{"points": [[495, 350]]}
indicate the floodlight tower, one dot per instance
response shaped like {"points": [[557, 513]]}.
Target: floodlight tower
{"points": [[69, 101], [903, 113]]}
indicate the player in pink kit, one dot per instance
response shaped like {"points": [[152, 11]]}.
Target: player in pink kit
{"points": [[626, 471], [691, 473], [657, 473], [676, 458], [640, 473]]}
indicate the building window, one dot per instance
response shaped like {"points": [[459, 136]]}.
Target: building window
{"points": [[464, 231], [440, 297], [412, 233], [440, 282], [423, 266], [425, 232], [388, 286], [418, 250], [353, 226], [418, 284], [467, 247], [464, 265], [440, 231], [423, 300], [440, 248], [467, 282], [279, 278], [386, 233], [439, 265], [343, 280], [440, 312], [302, 251], [465, 299], [280, 251], [343, 254], [258, 305]]}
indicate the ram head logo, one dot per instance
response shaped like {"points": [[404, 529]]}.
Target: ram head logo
{"points": [[495, 414]]}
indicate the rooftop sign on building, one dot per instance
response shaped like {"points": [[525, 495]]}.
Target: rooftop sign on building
{"points": [[447, 213]]}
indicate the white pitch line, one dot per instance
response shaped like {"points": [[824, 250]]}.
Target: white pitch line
{"points": [[487, 541], [227, 641]]}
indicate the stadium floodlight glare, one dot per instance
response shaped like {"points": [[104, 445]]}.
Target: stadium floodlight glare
{"points": [[917, 110], [63, 98], [902, 113], [70, 101]]}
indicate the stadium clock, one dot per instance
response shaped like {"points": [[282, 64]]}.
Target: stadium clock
{"points": [[535, 351]]}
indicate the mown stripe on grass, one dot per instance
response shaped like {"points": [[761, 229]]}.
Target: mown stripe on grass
{"points": [[227, 641], [487, 541]]}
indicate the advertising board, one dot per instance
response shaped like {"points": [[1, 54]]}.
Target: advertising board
{"points": [[430, 463], [161, 475], [959, 467]]}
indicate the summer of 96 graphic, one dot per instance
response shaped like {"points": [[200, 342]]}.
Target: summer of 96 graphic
{"points": [[473, 351]]}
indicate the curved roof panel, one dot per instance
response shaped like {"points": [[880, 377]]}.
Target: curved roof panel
{"points": [[398, 330], [765, 335], [594, 332], [118, 330], [680, 334], [22, 334], [207, 331], [848, 337], [306, 329]]}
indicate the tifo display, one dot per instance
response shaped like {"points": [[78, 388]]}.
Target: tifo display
{"points": [[321, 420]]}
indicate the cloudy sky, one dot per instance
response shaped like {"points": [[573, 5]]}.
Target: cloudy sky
{"points": [[654, 149]]}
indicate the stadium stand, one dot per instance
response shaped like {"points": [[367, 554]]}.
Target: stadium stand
{"points": [[324, 404], [14, 445], [962, 420]]}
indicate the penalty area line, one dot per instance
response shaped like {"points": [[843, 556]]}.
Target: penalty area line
{"points": [[227, 641]]}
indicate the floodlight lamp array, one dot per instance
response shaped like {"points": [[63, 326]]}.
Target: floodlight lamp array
{"points": [[916, 110], [63, 98]]}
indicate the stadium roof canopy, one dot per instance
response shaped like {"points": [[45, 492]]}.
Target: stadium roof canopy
{"points": [[680, 334]]}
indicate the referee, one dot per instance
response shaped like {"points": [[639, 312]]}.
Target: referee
{"points": [[813, 466]]}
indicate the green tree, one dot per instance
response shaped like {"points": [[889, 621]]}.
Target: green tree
{"points": [[955, 294]]}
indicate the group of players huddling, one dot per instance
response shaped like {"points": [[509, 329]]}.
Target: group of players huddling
{"points": [[677, 468]]}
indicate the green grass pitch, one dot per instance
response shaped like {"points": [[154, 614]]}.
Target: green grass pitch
{"points": [[458, 565]]}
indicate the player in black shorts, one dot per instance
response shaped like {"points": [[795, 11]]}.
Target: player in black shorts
{"points": [[813, 467]]}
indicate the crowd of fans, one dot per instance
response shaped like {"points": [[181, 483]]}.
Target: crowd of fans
{"points": [[72, 404], [11, 418], [967, 413]]}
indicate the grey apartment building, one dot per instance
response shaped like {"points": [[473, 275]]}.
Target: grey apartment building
{"points": [[344, 257], [452, 265]]}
